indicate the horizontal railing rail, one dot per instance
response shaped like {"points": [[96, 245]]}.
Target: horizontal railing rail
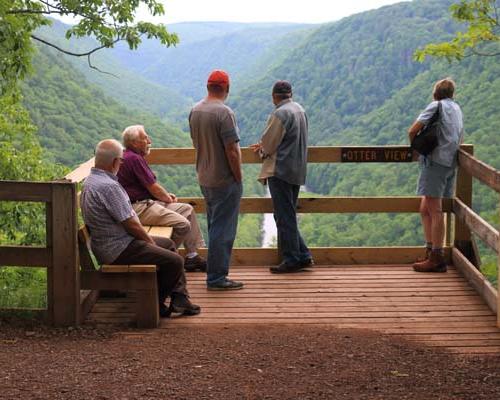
{"points": [[330, 205], [476, 224], [316, 154], [479, 170], [331, 154], [26, 191], [26, 256]]}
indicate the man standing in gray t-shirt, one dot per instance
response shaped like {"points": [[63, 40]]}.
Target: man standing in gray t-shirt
{"points": [[215, 136]]}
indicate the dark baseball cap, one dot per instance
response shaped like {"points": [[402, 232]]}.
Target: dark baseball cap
{"points": [[282, 87]]}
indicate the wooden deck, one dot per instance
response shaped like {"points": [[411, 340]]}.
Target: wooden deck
{"points": [[439, 309]]}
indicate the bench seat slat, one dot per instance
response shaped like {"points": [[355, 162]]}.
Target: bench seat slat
{"points": [[164, 231], [141, 268], [107, 268]]}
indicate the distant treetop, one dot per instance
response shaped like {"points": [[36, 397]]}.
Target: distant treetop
{"points": [[482, 36]]}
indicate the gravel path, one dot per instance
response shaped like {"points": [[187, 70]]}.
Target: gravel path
{"points": [[251, 362]]}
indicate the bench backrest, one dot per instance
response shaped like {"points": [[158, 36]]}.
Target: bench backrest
{"points": [[86, 261]]}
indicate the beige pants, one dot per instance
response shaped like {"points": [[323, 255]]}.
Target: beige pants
{"points": [[180, 216]]}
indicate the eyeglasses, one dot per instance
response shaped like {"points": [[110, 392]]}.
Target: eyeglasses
{"points": [[121, 159]]}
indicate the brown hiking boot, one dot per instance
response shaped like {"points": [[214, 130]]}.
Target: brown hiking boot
{"points": [[427, 255], [435, 263]]}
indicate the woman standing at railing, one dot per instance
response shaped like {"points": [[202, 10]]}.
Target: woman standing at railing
{"points": [[438, 171]]}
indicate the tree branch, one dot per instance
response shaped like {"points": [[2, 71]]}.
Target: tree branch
{"points": [[54, 9], [91, 66], [478, 53], [34, 12], [85, 54]]}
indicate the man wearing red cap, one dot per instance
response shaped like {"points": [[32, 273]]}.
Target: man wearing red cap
{"points": [[215, 136]]}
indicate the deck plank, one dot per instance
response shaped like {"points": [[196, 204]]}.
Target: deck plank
{"points": [[440, 310]]}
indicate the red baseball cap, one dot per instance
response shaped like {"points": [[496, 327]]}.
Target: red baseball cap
{"points": [[218, 77]]}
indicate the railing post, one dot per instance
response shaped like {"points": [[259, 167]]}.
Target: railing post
{"points": [[48, 244], [63, 277], [463, 238]]}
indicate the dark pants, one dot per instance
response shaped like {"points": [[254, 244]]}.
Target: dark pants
{"points": [[170, 265], [223, 206], [284, 196]]}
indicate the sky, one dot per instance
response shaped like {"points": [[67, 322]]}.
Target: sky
{"points": [[305, 11]]}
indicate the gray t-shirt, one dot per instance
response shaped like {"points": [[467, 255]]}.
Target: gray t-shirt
{"points": [[452, 131], [213, 125], [105, 204]]}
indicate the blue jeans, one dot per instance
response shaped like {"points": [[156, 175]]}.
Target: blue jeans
{"points": [[290, 243], [223, 207]]}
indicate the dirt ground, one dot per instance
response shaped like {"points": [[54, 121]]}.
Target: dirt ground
{"points": [[229, 362]]}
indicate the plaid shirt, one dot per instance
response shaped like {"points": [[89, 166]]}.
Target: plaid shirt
{"points": [[105, 204]]}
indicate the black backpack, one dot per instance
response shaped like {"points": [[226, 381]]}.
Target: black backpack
{"points": [[427, 139]]}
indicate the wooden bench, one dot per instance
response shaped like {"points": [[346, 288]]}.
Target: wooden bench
{"points": [[138, 278]]}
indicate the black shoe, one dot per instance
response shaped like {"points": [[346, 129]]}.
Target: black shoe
{"points": [[164, 311], [307, 263], [285, 268], [227, 284], [182, 305], [195, 263]]}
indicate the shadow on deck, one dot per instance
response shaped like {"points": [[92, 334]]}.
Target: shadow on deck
{"points": [[440, 310]]}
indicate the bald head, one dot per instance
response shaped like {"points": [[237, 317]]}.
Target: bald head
{"points": [[106, 153]]}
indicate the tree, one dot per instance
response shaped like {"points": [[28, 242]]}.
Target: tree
{"points": [[108, 21], [482, 36], [21, 156]]}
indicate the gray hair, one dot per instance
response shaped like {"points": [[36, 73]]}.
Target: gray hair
{"points": [[106, 151], [130, 134]]}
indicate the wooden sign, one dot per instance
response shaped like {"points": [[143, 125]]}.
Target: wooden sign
{"points": [[375, 154]]}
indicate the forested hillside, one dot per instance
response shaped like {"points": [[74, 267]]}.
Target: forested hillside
{"points": [[351, 67], [72, 115], [115, 79]]}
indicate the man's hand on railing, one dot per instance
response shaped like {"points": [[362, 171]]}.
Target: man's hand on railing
{"points": [[255, 147]]}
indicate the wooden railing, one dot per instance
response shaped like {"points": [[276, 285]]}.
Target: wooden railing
{"points": [[60, 256], [470, 222], [331, 256]]}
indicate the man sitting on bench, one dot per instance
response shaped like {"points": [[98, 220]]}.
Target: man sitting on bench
{"points": [[118, 237], [153, 204]]}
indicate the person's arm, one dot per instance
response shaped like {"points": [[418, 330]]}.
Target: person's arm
{"points": [[414, 129], [134, 228], [423, 119], [272, 137], [158, 192], [233, 155]]}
